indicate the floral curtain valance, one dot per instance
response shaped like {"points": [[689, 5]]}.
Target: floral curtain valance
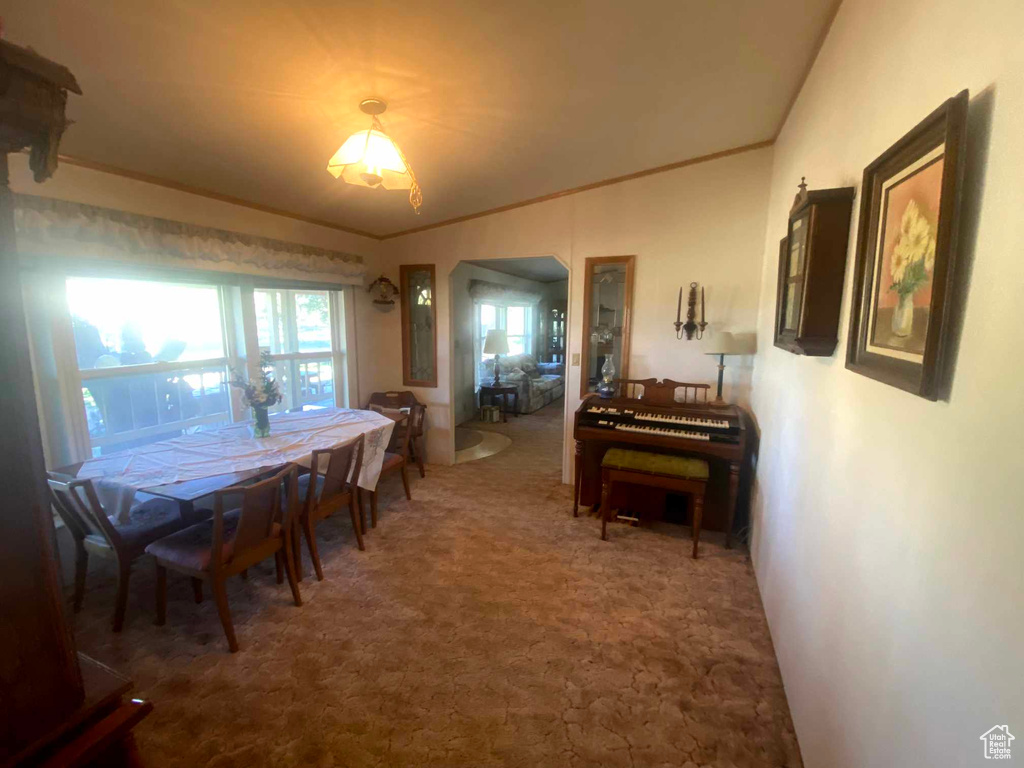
{"points": [[484, 290], [49, 228]]}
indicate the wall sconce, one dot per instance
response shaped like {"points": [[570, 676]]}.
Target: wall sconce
{"points": [[690, 327], [383, 290]]}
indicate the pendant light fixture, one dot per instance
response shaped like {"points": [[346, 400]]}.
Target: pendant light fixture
{"points": [[371, 159]]}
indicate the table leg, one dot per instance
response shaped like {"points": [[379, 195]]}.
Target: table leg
{"points": [[734, 492], [187, 511], [504, 407]]}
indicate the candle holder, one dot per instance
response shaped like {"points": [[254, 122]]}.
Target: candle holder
{"points": [[690, 328]]}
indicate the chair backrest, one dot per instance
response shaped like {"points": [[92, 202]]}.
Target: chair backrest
{"points": [[654, 392], [79, 507], [262, 506], [397, 400], [403, 438], [344, 463], [62, 500]]}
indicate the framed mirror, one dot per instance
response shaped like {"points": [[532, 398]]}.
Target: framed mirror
{"points": [[418, 284], [607, 307]]}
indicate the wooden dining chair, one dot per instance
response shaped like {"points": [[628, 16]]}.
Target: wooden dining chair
{"points": [[232, 541], [95, 533], [321, 494], [393, 462], [417, 419]]}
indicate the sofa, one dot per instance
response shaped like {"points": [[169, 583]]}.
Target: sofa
{"points": [[537, 383]]}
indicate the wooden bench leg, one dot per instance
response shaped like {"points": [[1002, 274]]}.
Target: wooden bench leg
{"points": [[698, 513], [578, 473], [606, 490]]}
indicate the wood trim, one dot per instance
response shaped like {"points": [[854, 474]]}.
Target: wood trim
{"points": [[587, 187], [818, 45], [588, 279], [404, 271], [189, 189]]}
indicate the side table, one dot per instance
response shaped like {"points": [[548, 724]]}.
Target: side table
{"points": [[491, 391]]}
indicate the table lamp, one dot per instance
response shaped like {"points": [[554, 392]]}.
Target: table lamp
{"points": [[496, 344], [724, 343]]}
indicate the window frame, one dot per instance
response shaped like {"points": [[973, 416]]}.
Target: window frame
{"points": [[240, 343], [334, 354], [501, 323]]}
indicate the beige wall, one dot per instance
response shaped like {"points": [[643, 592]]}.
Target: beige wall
{"points": [[889, 530], [82, 185], [704, 222]]}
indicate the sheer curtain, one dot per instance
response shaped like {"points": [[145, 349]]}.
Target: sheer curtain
{"points": [[55, 369]]}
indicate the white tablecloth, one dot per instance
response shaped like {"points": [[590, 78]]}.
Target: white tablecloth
{"points": [[293, 437]]}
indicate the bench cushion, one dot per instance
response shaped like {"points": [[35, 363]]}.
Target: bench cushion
{"points": [[655, 463]]}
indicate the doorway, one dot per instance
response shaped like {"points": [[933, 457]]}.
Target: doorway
{"points": [[510, 314]]}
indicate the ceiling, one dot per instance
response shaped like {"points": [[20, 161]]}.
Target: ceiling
{"points": [[543, 269], [492, 102]]}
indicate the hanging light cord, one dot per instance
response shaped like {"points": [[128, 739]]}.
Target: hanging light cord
{"points": [[415, 193]]}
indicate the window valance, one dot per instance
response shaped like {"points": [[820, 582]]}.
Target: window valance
{"points": [[59, 229], [484, 290]]}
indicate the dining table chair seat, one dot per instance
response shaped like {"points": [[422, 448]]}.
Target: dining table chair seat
{"points": [[236, 537], [192, 548], [147, 522], [96, 532], [304, 485], [392, 461]]}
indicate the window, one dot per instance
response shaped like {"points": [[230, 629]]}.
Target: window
{"points": [[151, 357], [516, 319], [295, 328], [155, 357]]}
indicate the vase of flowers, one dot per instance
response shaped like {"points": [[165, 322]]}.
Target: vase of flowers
{"points": [[913, 259], [259, 394]]}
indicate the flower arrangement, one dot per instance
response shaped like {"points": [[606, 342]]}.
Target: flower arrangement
{"points": [[913, 256], [913, 259], [260, 394]]}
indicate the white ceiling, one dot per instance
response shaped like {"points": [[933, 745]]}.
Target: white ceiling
{"points": [[492, 102], [543, 269]]}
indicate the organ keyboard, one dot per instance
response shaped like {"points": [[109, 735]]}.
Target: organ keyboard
{"points": [[715, 434]]}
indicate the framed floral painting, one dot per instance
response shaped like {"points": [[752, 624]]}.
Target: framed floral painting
{"points": [[906, 255]]}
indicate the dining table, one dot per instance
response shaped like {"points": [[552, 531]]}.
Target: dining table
{"points": [[189, 467]]}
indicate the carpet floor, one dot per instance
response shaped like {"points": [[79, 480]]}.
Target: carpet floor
{"points": [[482, 626]]}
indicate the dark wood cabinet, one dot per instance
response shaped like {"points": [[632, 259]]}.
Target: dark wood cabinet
{"points": [[59, 707], [812, 264]]}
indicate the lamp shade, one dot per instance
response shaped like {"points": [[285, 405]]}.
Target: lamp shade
{"points": [[496, 342], [725, 343]]}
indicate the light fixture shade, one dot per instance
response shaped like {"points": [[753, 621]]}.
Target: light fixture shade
{"points": [[370, 159], [496, 342]]}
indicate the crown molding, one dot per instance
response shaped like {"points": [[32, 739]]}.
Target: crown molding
{"points": [[586, 187], [192, 190]]}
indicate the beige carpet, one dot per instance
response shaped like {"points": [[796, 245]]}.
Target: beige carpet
{"points": [[483, 626]]}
